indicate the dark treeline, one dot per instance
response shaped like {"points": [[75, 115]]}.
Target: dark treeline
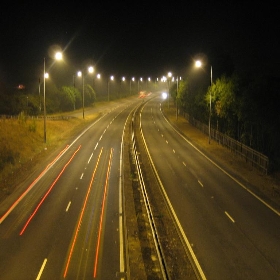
{"points": [[244, 107]]}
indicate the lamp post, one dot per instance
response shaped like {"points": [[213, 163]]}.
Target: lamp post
{"points": [[169, 75], [139, 85], [177, 87], [108, 86], [81, 74], [132, 79], [58, 56], [198, 63], [44, 101]]}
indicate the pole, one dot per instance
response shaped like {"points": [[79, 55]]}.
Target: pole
{"points": [[108, 90], [168, 84], [210, 109], [83, 95], [40, 105], [45, 128], [176, 100]]}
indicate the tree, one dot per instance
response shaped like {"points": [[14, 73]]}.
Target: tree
{"points": [[182, 96], [69, 98], [223, 101], [90, 95]]}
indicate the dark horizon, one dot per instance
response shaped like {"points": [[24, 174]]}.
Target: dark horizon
{"points": [[146, 40]]}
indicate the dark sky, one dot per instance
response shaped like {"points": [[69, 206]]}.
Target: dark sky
{"points": [[135, 38]]}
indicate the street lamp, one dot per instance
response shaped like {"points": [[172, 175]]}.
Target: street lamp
{"points": [[198, 63], [169, 75], [81, 74], [108, 86], [138, 84], [58, 56], [177, 88], [132, 79]]}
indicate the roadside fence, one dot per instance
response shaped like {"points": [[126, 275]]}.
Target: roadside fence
{"points": [[252, 156]]}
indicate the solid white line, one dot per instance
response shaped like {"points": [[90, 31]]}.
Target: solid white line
{"points": [[68, 206], [229, 217], [41, 270]]}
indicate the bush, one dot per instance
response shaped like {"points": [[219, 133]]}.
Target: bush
{"points": [[6, 156]]}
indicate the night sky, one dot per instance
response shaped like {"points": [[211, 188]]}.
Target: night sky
{"points": [[134, 38]]}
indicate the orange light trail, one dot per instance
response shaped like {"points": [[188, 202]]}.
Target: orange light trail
{"points": [[30, 187], [47, 193], [81, 217], [102, 215]]}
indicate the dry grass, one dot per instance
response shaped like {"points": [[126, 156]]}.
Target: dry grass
{"points": [[22, 145]]}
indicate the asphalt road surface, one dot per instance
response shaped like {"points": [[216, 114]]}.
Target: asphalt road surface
{"points": [[66, 225], [233, 234]]}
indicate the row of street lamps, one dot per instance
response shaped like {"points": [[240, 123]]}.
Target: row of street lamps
{"points": [[58, 56]]}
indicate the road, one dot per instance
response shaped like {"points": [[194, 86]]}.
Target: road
{"points": [[233, 234], [66, 225]]}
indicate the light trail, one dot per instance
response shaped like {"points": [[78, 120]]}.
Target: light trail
{"points": [[32, 185], [102, 215], [81, 217], [47, 193]]}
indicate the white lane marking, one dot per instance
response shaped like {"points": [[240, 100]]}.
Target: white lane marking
{"points": [[174, 151], [90, 158], [96, 146], [68, 206], [41, 270], [234, 179], [184, 163], [82, 176], [166, 141], [200, 183], [229, 217]]}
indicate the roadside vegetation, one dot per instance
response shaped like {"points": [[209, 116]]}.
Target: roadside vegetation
{"points": [[22, 144], [244, 106], [245, 109]]}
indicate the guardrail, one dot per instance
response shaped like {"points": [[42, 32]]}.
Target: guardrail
{"points": [[256, 158], [37, 117]]}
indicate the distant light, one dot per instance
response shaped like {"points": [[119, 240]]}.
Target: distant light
{"points": [[198, 63], [58, 56], [90, 69], [164, 95], [46, 75], [98, 76]]}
